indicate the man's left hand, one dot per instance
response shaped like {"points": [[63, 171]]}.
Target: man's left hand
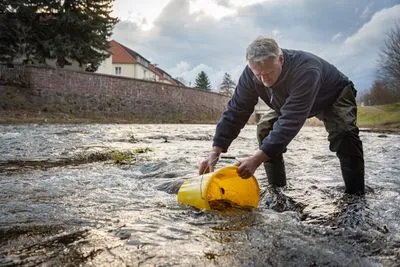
{"points": [[248, 166]]}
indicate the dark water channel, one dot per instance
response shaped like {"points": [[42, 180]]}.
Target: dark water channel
{"points": [[66, 200]]}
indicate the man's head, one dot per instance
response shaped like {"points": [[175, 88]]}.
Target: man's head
{"points": [[265, 59]]}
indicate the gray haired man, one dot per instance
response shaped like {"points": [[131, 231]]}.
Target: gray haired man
{"points": [[296, 85]]}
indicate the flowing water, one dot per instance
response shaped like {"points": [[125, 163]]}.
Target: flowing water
{"points": [[67, 198]]}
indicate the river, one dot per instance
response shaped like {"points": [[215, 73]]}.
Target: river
{"points": [[70, 196]]}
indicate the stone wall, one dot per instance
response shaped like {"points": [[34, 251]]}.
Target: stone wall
{"points": [[89, 94]]}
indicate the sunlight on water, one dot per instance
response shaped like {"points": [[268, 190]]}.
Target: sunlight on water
{"points": [[60, 207]]}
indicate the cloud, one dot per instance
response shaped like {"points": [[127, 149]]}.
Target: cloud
{"points": [[367, 11], [371, 34], [225, 3], [189, 74], [217, 9], [336, 36], [276, 34], [214, 46], [184, 70], [183, 41]]}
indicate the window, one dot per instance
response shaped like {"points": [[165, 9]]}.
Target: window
{"points": [[143, 62], [117, 70]]}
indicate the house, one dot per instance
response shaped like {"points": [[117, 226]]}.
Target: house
{"points": [[128, 63], [164, 77]]}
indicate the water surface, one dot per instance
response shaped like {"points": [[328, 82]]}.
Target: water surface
{"points": [[61, 205]]}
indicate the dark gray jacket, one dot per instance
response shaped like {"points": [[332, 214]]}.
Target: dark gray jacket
{"points": [[306, 86]]}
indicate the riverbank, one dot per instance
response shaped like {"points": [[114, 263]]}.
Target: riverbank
{"points": [[384, 118], [54, 117], [380, 119]]}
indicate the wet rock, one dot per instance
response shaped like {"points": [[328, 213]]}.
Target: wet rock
{"points": [[132, 139], [123, 234], [199, 138], [163, 137], [134, 243], [5, 261]]}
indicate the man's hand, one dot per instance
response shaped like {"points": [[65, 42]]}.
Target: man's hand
{"points": [[208, 164], [248, 166]]}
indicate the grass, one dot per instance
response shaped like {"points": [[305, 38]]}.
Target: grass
{"points": [[379, 116], [23, 116]]}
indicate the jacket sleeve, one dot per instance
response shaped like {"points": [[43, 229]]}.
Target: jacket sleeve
{"points": [[239, 109], [293, 113]]}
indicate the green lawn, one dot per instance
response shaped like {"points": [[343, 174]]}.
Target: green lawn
{"points": [[382, 115]]}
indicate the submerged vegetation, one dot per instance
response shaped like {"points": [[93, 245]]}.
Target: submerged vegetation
{"points": [[108, 155], [116, 156]]}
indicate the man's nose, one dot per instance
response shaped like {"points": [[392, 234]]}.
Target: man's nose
{"points": [[264, 78]]}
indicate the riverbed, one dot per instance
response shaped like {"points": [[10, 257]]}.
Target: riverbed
{"points": [[105, 195]]}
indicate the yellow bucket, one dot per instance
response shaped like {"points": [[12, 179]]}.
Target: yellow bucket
{"points": [[220, 189]]}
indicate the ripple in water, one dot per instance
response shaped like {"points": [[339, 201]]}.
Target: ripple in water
{"points": [[95, 213]]}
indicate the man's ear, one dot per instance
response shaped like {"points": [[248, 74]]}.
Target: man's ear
{"points": [[281, 59]]}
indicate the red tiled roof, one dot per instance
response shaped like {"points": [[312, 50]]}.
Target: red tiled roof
{"points": [[123, 54], [152, 67], [120, 54]]}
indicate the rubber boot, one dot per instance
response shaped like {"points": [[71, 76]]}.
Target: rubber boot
{"points": [[275, 170], [353, 174]]}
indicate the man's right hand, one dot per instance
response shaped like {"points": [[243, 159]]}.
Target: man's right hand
{"points": [[208, 164]]}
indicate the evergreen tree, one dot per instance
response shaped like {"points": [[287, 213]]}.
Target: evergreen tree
{"points": [[18, 28], [90, 25], [227, 86], [202, 82], [52, 29]]}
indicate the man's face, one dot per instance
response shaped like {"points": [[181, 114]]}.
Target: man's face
{"points": [[267, 71]]}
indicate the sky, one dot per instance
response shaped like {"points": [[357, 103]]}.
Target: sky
{"points": [[184, 37]]}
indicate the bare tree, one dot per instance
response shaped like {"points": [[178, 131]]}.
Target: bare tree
{"points": [[389, 63], [379, 94]]}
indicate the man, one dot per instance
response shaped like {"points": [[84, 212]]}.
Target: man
{"points": [[296, 85]]}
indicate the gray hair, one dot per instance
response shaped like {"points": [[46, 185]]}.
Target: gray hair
{"points": [[261, 49]]}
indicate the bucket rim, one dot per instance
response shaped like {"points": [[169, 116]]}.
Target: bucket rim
{"points": [[234, 167]]}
